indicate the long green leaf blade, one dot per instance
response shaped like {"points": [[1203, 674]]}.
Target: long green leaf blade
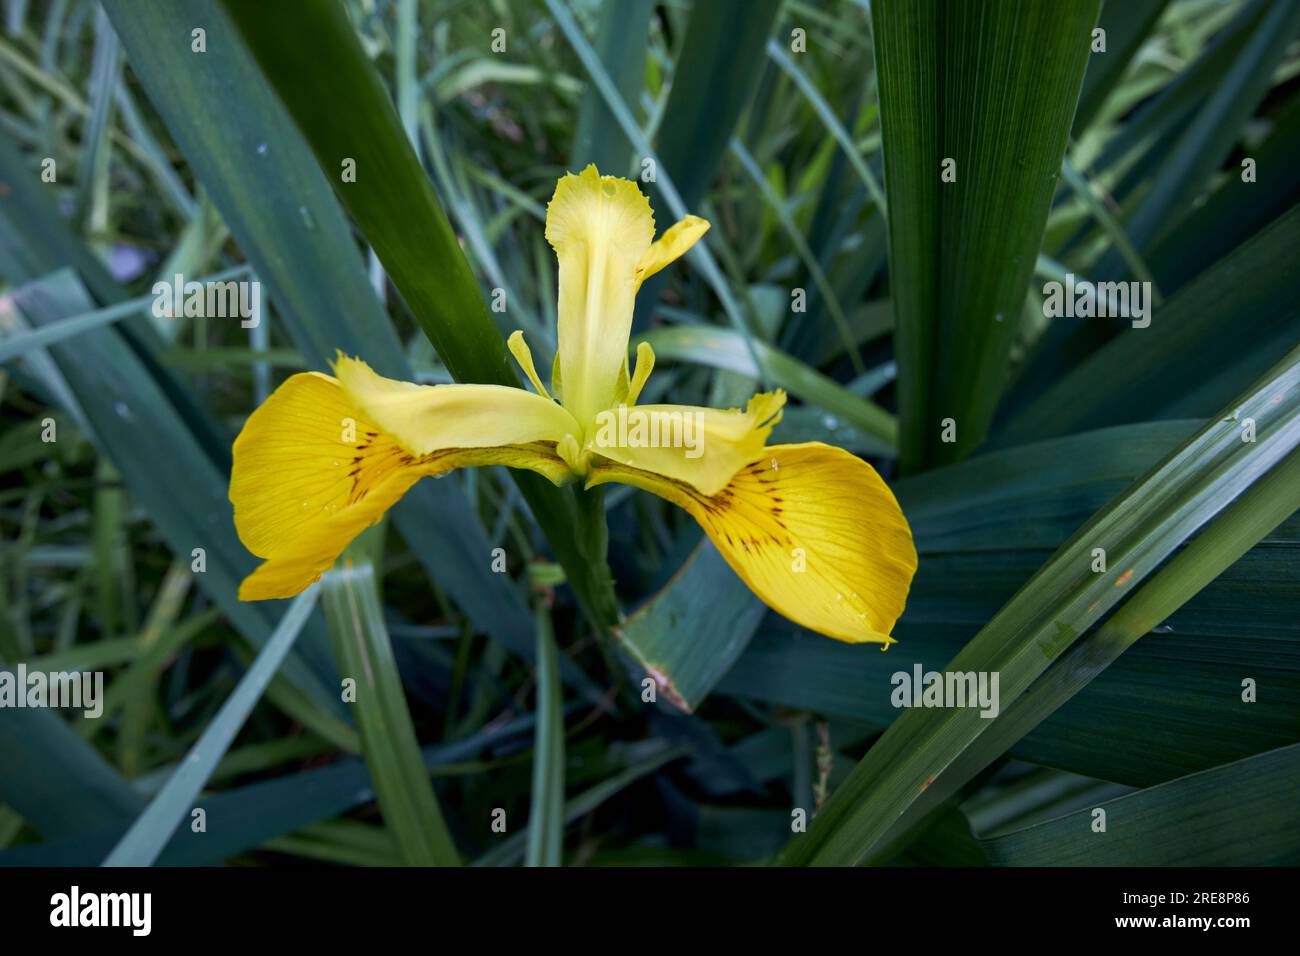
{"points": [[984, 93]]}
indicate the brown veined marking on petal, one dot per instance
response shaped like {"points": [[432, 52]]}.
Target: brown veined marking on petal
{"points": [[375, 461]]}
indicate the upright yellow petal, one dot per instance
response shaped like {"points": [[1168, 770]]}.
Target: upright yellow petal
{"points": [[703, 447], [813, 531], [311, 471], [600, 227], [426, 418], [671, 246]]}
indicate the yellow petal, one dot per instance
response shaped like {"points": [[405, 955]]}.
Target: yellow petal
{"points": [[524, 356], [671, 246], [427, 418], [600, 227], [311, 472], [703, 447], [645, 364], [813, 531]]}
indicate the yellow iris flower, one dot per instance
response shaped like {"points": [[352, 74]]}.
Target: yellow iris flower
{"points": [[810, 528]]}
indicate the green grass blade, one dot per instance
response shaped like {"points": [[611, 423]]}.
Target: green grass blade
{"points": [[831, 122], [546, 804], [364, 653], [514, 847], [151, 832], [992, 87]]}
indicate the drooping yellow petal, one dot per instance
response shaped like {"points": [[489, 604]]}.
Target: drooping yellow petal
{"points": [[671, 246], [600, 228], [427, 418], [311, 472], [813, 531], [703, 447]]}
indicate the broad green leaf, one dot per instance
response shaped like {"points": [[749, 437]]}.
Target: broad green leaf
{"points": [[58, 782], [1240, 814], [686, 661], [1065, 598], [1203, 346], [1235, 212], [1255, 514], [984, 93], [716, 68]]}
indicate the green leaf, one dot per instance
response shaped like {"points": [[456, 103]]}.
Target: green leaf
{"points": [[1193, 357], [686, 661], [57, 781], [364, 654], [1255, 514], [546, 804], [716, 71], [1205, 142], [1065, 598], [1240, 814], [257, 812], [152, 830], [622, 37], [1127, 23], [993, 88], [514, 847]]}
